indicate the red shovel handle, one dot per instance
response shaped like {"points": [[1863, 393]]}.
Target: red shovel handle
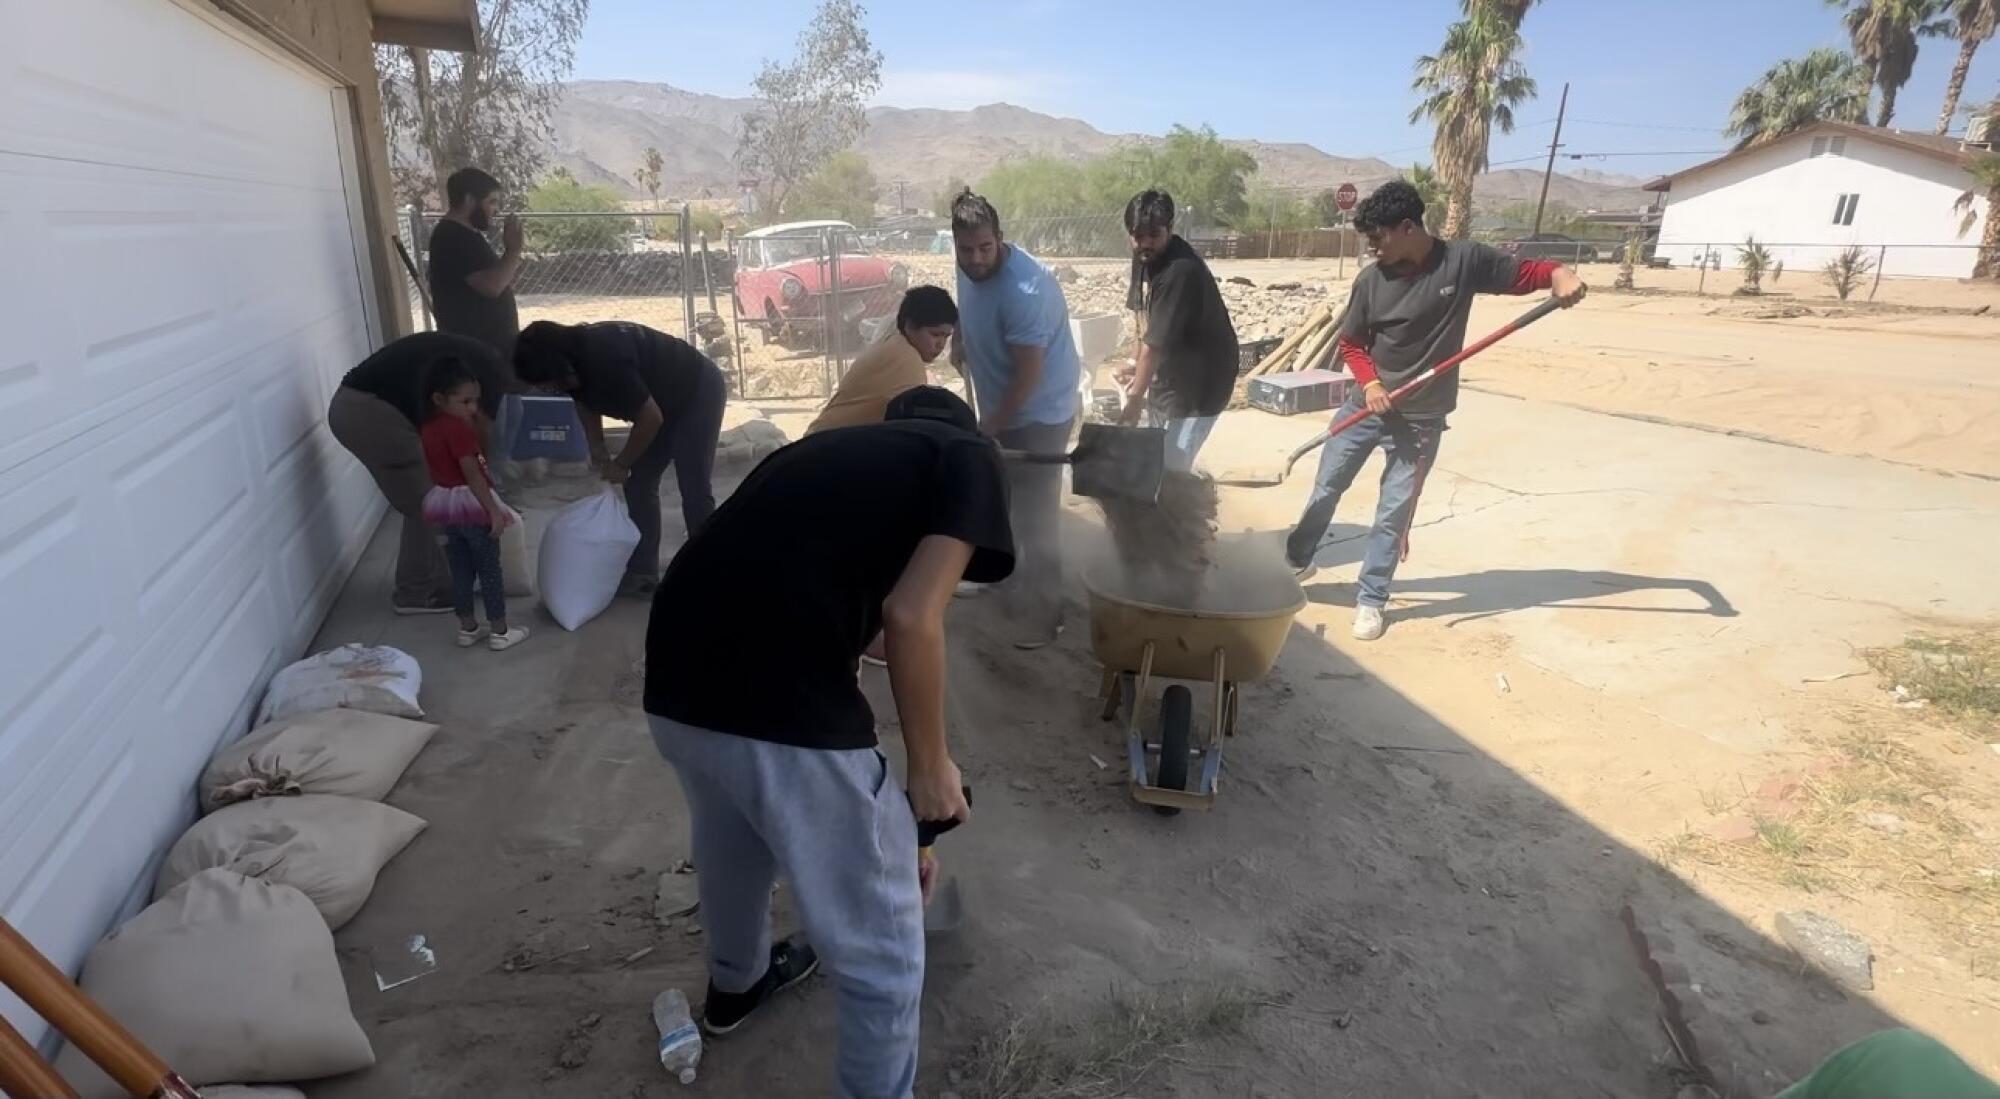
{"points": [[1425, 378]]}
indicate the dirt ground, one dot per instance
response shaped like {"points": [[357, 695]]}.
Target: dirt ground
{"points": [[1627, 628]]}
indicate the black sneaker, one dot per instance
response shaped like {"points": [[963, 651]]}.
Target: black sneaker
{"points": [[792, 961], [436, 604]]}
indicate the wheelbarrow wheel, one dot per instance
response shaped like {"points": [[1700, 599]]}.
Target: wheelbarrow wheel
{"points": [[1176, 725]]}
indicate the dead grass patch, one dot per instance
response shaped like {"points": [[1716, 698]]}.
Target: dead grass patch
{"points": [[1106, 1054], [1959, 676], [1881, 820]]}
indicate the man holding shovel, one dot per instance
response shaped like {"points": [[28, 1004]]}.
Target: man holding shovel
{"points": [[1014, 344], [1405, 314], [752, 696]]}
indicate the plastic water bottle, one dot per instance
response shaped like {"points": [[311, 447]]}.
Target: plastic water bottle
{"points": [[680, 1041]]}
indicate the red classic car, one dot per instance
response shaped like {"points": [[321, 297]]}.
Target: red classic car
{"points": [[783, 286]]}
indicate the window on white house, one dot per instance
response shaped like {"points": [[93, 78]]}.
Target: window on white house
{"points": [[1837, 146], [1829, 146], [1819, 146], [1843, 210]]}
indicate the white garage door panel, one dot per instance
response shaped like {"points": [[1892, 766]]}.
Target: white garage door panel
{"points": [[174, 515]]}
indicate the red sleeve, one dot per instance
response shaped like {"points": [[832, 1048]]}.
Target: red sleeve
{"points": [[1533, 275], [460, 441], [1359, 362]]}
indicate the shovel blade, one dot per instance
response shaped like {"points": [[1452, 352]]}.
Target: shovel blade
{"points": [[946, 912], [1123, 463]]}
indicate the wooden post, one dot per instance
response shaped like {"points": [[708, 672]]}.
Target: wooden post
{"points": [[91, 1029], [1881, 258], [23, 1072]]}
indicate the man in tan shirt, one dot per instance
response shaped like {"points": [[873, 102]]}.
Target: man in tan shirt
{"points": [[900, 361]]}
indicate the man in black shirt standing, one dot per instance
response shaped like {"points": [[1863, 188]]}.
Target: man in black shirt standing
{"points": [[472, 290], [376, 414], [1187, 358], [751, 692]]}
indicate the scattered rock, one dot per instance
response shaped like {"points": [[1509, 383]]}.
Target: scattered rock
{"points": [[1887, 823], [1343, 1020], [1832, 948], [1281, 287], [1022, 785], [575, 1048], [1761, 1017], [677, 895], [638, 954], [1239, 280], [1064, 273]]}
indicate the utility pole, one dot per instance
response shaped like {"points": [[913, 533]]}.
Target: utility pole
{"points": [[900, 184], [1554, 143]]}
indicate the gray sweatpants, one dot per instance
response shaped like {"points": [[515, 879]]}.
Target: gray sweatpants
{"points": [[837, 825]]}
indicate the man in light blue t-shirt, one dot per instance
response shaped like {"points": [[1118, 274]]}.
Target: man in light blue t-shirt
{"points": [[1014, 344]]}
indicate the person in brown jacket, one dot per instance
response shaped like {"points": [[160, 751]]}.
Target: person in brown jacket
{"points": [[899, 361]]}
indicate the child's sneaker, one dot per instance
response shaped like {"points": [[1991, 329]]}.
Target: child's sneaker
{"points": [[501, 642], [473, 636]]}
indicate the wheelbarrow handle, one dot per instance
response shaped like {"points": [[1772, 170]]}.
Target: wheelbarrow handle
{"points": [[928, 831], [1425, 378]]}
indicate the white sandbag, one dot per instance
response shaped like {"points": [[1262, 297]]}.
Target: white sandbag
{"points": [[584, 553], [376, 678], [352, 753], [329, 848], [247, 1091], [227, 979], [514, 561]]}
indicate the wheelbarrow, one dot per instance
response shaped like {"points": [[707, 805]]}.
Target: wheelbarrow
{"points": [[1138, 642]]}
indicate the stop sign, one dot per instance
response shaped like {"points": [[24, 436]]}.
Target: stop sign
{"points": [[1346, 196]]}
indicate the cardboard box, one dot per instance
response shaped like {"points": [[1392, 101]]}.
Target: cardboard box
{"points": [[1299, 391]]}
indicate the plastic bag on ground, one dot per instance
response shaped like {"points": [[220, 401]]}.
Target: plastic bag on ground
{"points": [[375, 678], [584, 553], [226, 979], [352, 753], [329, 848]]}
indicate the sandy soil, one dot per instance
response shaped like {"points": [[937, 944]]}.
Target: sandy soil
{"points": [[1614, 633]]}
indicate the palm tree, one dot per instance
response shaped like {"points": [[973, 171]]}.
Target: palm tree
{"points": [[1426, 182], [1823, 86], [1755, 259], [1470, 86], [1985, 177], [1973, 22], [1884, 34]]}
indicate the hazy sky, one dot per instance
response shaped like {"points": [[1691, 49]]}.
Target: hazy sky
{"points": [[1650, 78]]}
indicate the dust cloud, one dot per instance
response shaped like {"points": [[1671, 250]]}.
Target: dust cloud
{"points": [[1167, 554]]}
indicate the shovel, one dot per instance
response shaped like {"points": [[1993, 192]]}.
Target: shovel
{"points": [[1266, 479], [947, 908], [1112, 462]]}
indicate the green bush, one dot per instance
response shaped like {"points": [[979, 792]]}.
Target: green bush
{"points": [[561, 193]]}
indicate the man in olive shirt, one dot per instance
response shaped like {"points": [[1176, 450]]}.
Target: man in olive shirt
{"points": [[1187, 359], [472, 289]]}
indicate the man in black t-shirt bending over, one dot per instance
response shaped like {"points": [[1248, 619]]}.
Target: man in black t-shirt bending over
{"points": [[751, 691]]}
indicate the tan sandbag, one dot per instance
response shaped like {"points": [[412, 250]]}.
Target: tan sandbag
{"points": [[352, 753], [329, 848], [227, 979]]}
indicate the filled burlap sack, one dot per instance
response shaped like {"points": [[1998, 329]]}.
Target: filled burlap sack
{"points": [[376, 678], [329, 848], [226, 978], [352, 753]]}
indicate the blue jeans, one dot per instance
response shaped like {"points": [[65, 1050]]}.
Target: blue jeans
{"points": [[1410, 447], [837, 825], [687, 442], [1185, 435], [474, 555]]}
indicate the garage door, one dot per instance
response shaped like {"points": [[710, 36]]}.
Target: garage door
{"points": [[179, 296]]}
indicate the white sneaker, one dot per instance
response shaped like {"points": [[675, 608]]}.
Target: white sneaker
{"points": [[1368, 624], [968, 590], [473, 636], [501, 642], [1040, 641]]}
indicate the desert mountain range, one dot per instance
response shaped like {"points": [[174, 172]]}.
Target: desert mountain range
{"points": [[602, 128]]}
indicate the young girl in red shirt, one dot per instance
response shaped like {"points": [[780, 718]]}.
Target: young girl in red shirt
{"points": [[461, 502]]}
